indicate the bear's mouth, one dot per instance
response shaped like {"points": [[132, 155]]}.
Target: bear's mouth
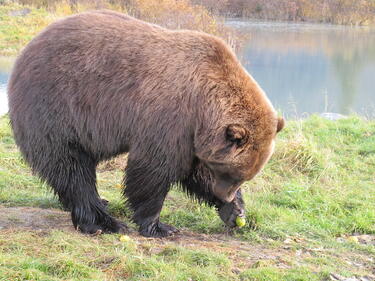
{"points": [[228, 212], [223, 186]]}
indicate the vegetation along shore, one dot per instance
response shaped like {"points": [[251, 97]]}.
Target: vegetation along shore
{"points": [[21, 20], [325, 11]]}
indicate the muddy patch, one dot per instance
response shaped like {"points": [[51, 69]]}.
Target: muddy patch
{"points": [[34, 219]]}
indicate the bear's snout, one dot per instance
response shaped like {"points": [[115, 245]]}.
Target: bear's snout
{"points": [[225, 190]]}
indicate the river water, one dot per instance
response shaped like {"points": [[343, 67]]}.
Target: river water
{"points": [[5, 68], [303, 68], [311, 68]]}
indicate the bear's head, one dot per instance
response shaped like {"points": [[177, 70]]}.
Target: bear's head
{"points": [[239, 157], [236, 136]]}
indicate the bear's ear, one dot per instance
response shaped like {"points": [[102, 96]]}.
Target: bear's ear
{"points": [[237, 134], [280, 124]]}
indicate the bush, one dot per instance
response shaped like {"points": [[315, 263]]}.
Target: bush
{"points": [[174, 14]]}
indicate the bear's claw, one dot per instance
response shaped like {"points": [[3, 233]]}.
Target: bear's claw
{"points": [[158, 230], [110, 225]]}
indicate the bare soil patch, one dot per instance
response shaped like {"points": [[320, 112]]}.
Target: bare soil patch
{"points": [[243, 254], [34, 218]]}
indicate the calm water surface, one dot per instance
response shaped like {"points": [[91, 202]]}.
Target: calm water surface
{"points": [[304, 68], [5, 68], [311, 68]]}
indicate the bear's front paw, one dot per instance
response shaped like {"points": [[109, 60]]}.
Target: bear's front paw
{"points": [[157, 229], [115, 226]]}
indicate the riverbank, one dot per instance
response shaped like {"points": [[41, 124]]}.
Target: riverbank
{"points": [[20, 23], [347, 12], [310, 214]]}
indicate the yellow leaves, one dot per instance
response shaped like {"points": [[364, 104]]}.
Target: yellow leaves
{"points": [[65, 8], [352, 239], [17, 31], [176, 14], [125, 238]]}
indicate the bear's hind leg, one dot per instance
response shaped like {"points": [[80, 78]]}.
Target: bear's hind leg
{"points": [[72, 175], [146, 190]]}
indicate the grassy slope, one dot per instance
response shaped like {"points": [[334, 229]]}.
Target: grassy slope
{"points": [[318, 186], [17, 31]]}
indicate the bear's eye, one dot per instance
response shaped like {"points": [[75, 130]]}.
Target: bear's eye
{"points": [[237, 134]]}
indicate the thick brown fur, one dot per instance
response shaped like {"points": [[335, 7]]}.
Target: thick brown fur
{"points": [[97, 84]]}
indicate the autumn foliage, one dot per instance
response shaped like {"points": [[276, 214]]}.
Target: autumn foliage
{"points": [[357, 12], [168, 13], [198, 14]]}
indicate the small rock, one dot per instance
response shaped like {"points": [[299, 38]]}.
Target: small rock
{"points": [[22, 12], [366, 239], [288, 241], [335, 277], [236, 271], [332, 116], [364, 279], [298, 252], [262, 263]]}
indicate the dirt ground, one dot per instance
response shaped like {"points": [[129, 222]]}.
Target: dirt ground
{"points": [[291, 252]]}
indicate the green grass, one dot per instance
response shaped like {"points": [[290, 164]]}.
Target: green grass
{"points": [[320, 182], [318, 188], [17, 31], [58, 256]]}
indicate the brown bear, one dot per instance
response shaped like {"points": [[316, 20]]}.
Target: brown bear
{"points": [[98, 84]]}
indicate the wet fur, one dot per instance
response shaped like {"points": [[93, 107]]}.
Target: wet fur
{"points": [[99, 84]]}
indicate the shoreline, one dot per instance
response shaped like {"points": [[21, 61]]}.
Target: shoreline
{"points": [[23, 22], [254, 19]]}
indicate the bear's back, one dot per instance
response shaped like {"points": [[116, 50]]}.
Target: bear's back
{"points": [[105, 80]]}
